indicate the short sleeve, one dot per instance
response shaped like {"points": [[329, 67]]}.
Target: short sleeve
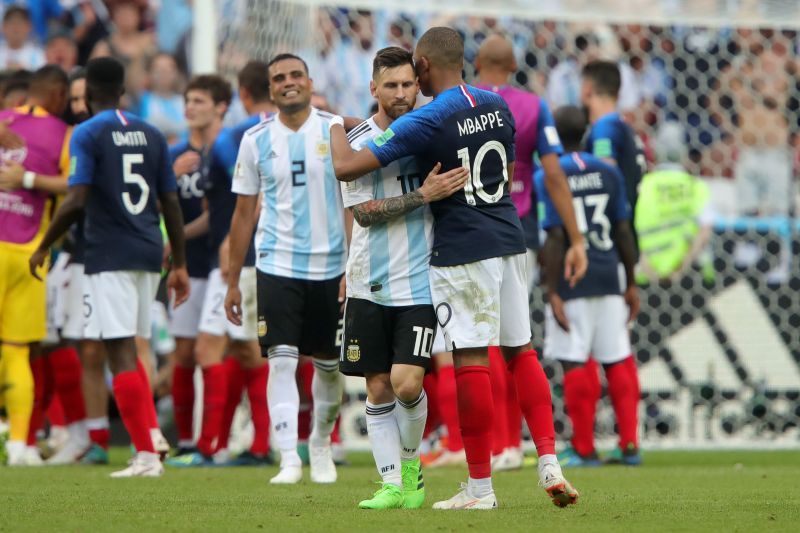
{"points": [[603, 137], [619, 209], [358, 191], [225, 151], [246, 178], [82, 158], [547, 140], [547, 212], [166, 176], [407, 135]]}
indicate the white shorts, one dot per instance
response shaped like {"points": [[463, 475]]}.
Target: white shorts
{"points": [[597, 326], [213, 320], [185, 320], [74, 308], [438, 342], [57, 283], [483, 303], [118, 304]]}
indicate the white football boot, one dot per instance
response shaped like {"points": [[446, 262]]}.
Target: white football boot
{"points": [[465, 501], [144, 464], [323, 469], [552, 480]]}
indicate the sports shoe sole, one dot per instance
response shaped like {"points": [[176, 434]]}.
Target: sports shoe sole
{"points": [[561, 495]]}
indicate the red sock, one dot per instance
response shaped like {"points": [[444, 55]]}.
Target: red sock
{"points": [[623, 387], [100, 437], [533, 393], [475, 412], [429, 383], [448, 407], [214, 385], [256, 379], [336, 437], [183, 400], [150, 406], [580, 402], [513, 414], [233, 396], [40, 399], [67, 373], [54, 410], [305, 375], [132, 396], [497, 373]]}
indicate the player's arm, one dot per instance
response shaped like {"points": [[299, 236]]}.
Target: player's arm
{"points": [[435, 187], [349, 164], [555, 182], [552, 257], [197, 227], [167, 186], [68, 213], [625, 241], [14, 176]]}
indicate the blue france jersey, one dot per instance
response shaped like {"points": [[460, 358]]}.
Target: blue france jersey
{"points": [[612, 138], [463, 126], [190, 195], [300, 231], [598, 194], [126, 162], [388, 262]]}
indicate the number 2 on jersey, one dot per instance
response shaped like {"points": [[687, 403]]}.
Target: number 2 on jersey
{"points": [[130, 177], [598, 203], [474, 184]]}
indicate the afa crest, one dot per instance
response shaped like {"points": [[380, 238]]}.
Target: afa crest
{"points": [[353, 353], [262, 328], [323, 148]]}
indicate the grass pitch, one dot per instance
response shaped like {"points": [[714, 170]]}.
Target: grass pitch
{"points": [[673, 491]]}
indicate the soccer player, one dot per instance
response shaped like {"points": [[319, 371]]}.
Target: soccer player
{"points": [[206, 99], [301, 258], [478, 273], [592, 316], [389, 321], [120, 169], [24, 217], [535, 135]]}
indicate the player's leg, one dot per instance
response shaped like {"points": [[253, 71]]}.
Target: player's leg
{"points": [[612, 349], [305, 377], [471, 324], [497, 373], [280, 315], [67, 374], [453, 452], [234, 377], [533, 389], [144, 365], [95, 393]]}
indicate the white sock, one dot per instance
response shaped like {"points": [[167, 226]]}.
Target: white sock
{"points": [[97, 423], [479, 488], [548, 459], [78, 432], [411, 421], [326, 389], [284, 401], [384, 439]]}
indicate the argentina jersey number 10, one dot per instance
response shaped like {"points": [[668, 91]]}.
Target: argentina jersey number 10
{"points": [[474, 185]]}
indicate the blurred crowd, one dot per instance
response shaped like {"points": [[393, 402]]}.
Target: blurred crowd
{"points": [[733, 92]]}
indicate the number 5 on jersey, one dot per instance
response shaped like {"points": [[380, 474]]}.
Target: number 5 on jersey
{"points": [[474, 184], [130, 177]]}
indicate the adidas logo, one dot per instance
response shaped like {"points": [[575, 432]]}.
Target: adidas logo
{"points": [[272, 154]]}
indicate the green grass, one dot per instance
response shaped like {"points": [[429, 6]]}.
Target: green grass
{"points": [[674, 491]]}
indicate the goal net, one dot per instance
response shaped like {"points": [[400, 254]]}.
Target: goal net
{"points": [[719, 348]]}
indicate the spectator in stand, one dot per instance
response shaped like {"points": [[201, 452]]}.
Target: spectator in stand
{"points": [[42, 13], [129, 44], [162, 104], [17, 51], [90, 24], [62, 50]]}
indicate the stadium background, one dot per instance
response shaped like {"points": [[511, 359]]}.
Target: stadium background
{"points": [[719, 348]]}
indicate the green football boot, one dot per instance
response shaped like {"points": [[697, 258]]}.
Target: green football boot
{"points": [[413, 484], [387, 497]]}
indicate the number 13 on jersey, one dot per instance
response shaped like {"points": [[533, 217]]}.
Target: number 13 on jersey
{"points": [[474, 185]]}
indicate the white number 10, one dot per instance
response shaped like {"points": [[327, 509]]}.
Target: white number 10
{"points": [[474, 184], [129, 176]]}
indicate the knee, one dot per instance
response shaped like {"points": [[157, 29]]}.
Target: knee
{"points": [[379, 389], [408, 389]]}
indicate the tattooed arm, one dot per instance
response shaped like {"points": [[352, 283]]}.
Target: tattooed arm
{"points": [[435, 187]]}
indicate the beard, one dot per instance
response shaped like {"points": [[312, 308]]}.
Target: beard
{"points": [[395, 112]]}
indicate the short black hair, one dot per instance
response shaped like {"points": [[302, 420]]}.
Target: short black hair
{"points": [[443, 47], [284, 57], [254, 77], [605, 77], [48, 76], [106, 78], [77, 74], [391, 57], [16, 11], [218, 87], [19, 80], [571, 123]]}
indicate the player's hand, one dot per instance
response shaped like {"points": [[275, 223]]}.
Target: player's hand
{"points": [[37, 261], [233, 305], [575, 263], [178, 286], [438, 186], [11, 176], [632, 300], [557, 305], [342, 292], [8, 139], [185, 163]]}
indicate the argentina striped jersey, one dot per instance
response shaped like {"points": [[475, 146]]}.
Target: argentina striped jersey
{"points": [[388, 262], [301, 228]]}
